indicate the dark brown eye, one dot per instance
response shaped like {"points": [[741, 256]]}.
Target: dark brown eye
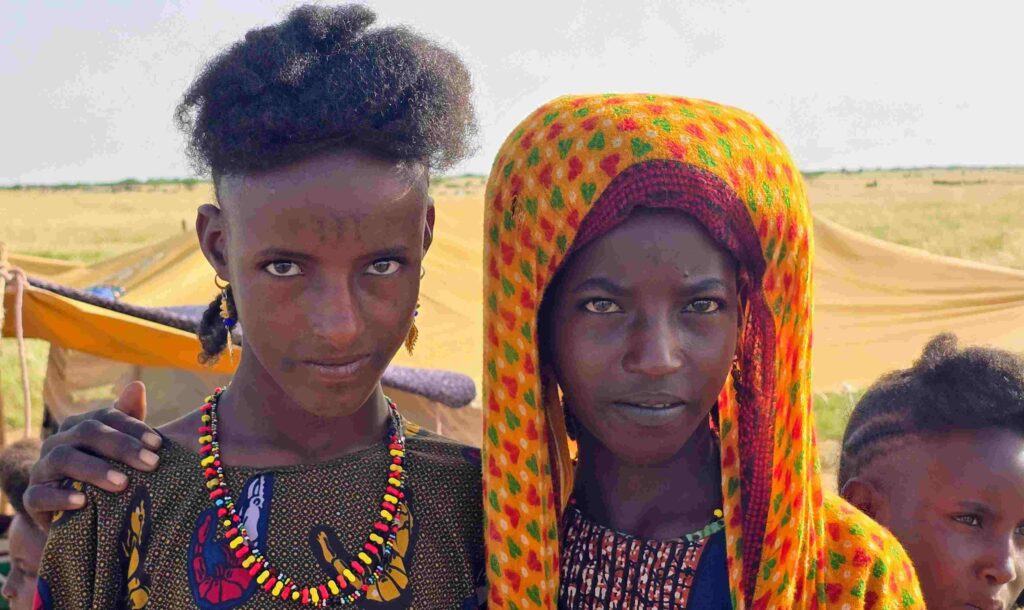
{"points": [[385, 266], [283, 269], [601, 306], [704, 306]]}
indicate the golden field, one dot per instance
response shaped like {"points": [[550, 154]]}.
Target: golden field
{"points": [[975, 214]]}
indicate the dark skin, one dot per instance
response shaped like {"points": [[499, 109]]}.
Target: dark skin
{"points": [[324, 259], [644, 338], [956, 503]]}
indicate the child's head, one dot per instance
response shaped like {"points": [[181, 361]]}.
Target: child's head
{"points": [[319, 133], [936, 454], [24, 538]]}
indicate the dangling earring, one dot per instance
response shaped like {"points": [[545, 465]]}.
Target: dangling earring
{"points": [[737, 377], [414, 333], [226, 315]]}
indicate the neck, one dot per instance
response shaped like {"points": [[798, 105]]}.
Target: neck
{"points": [[661, 501], [261, 425]]}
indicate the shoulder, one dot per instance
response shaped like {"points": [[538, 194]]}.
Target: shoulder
{"points": [[459, 460], [864, 560]]}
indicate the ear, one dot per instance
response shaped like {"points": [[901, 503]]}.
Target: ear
{"points": [[428, 230], [211, 230], [865, 495]]}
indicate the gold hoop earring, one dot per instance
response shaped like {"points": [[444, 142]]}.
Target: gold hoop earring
{"points": [[414, 333]]}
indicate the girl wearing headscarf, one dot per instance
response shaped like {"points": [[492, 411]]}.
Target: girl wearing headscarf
{"points": [[648, 293]]}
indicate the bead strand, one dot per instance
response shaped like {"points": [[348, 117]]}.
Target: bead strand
{"points": [[372, 558]]}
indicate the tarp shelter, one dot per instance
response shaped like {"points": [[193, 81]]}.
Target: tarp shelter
{"points": [[96, 349], [876, 304]]}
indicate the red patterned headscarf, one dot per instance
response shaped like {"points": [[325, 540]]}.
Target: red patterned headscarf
{"points": [[570, 172]]}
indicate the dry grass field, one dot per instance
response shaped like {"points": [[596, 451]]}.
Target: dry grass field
{"points": [[972, 214]]}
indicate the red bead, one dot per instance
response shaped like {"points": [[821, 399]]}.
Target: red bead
{"points": [[324, 593], [205, 449], [391, 490], [358, 567], [221, 512], [365, 587], [380, 527], [205, 430], [388, 506], [231, 533], [236, 518], [397, 461], [216, 463], [341, 581], [242, 551], [216, 493], [305, 597], [267, 586], [209, 473], [371, 548], [255, 568], [286, 592], [205, 408]]}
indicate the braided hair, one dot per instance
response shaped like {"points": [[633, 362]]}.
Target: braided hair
{"points": [[319, 81], [947, 389]]}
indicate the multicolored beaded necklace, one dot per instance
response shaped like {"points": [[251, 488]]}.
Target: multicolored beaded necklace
{"points": [[372, 560], [714, 526]]}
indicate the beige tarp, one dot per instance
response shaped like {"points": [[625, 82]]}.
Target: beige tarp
{"points": [[876, 305]]}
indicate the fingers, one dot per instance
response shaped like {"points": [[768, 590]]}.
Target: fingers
{"points": [[66, 453], [41, 501], [132, 401]]}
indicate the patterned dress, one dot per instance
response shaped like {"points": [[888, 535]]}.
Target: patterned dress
{"points": [[571, 171], [606, 570], [158, 545]]}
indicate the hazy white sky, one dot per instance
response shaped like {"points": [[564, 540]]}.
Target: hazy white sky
{"points": [[89, 87]]}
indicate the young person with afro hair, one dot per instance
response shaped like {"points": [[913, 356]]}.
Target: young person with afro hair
{"points": [[320, 133], [936, 454], [24, 538]]}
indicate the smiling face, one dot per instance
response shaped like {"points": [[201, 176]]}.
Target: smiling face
{"points": [[643, 331], [324, 262], [956, 503]]}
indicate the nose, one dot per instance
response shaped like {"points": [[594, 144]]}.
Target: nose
{"points": [[335, 312], [9, 591], [654, 347], [1003, 564]]}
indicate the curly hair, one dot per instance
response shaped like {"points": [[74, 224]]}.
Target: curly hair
{"points": [[16, 462], [948, 388], [323, 80]]}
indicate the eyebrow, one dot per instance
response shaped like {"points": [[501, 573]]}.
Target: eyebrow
{"points": [[975, 506], [283, 253], [609, 286]]}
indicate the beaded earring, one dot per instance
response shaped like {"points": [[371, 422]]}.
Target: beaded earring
{"points": [[226, 315], [414, 333]]}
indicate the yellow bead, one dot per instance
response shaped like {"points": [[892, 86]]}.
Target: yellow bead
{"points": [[394, 482], [349, 576], [333, 587], [385, 515], [226, 522], [718, 513], [377, 539], [248, 561], [314, 595], [212, 483], [396, 453], [396, 468], [276, 592], [205, 418], [365, 558], [262, 578], [206, 461], [206, 438], [390, 498], [236, 542], [295, 596]]}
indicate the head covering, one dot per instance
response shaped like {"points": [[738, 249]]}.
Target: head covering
{"points": [[567, 174]]}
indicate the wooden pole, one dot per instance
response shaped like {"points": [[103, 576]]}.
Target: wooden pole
{"points": [[3, 311]]}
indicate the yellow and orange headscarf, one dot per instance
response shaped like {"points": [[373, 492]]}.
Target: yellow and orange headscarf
{"points": [[573, 168]]}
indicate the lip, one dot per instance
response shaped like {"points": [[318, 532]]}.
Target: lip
{"points": [[989, 604], [337, 368], [649, 410]]}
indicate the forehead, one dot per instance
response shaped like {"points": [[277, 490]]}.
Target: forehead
{"points": [[981, 463], [670, 241], [342, 188]]}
